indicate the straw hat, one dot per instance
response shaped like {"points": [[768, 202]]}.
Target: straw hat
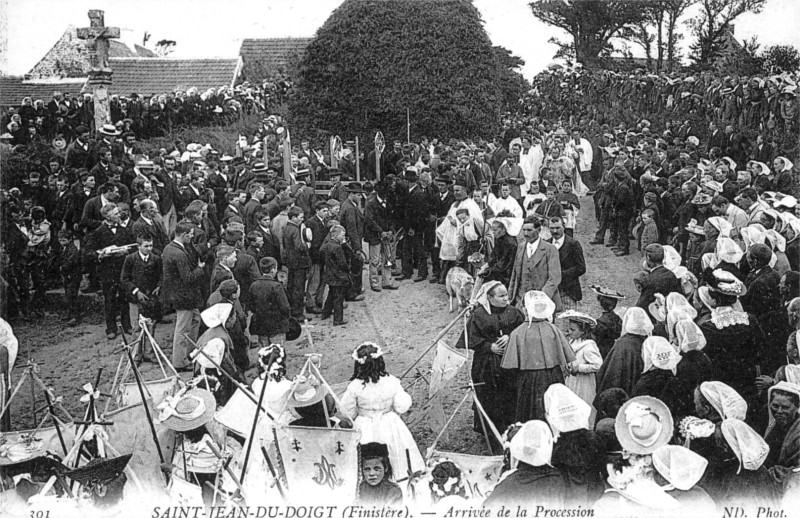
{"points": [[606, 292], [306, 392], [109, 130], [187, 411], [578, 316], [643, 425]]}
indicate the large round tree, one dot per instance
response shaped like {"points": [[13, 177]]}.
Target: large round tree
{"points": [[373, 59]]}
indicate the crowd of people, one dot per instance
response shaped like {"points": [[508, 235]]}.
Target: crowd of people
{"points": [[697, 383], [145, 115]]}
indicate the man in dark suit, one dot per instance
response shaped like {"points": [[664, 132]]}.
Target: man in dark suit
{"points": [[150, 226], [352, 219], [141, 284], [91, 217], [182, 290], [270, 247], [104, 168], [659, 279], [297, 259], [573, 265], [717, 137], [536, 266], [378, 229], [762, 151], [316, 287], [763, 299], [245, 268], [440, 204], [109, 268], [257, 193], [223, 270], [337, 275], [77, 154], [416, 220]]}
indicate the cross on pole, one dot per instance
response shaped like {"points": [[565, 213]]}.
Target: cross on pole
{"points": [[99, 38]]}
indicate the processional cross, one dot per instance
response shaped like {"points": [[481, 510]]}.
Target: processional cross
{"points": [[99, 38]]}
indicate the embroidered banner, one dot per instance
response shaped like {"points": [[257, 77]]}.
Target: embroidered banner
{"points": [[320, 464], [446, 365]]}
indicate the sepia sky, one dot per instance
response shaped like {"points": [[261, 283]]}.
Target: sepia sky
{"points": [[205, 28]]}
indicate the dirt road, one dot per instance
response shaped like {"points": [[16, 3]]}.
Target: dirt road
{"points": [[404, 322]]}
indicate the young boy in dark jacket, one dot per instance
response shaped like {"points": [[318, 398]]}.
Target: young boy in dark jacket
{"points": [[71, 273]]}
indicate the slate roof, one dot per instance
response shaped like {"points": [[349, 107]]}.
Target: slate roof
{"points": [[142, 52], [14, 88], [147, 76], [273, 52]]}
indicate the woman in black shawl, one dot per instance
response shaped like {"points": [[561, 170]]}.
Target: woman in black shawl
{"points": [[733, 338], [487, 332]]}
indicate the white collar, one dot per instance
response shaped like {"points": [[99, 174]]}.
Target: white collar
{"points": [[558, 243], [145, 259], [533, 246], [148, 221]]}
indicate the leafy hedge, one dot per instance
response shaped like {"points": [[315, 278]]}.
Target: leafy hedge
{"points": [[372, 59]]}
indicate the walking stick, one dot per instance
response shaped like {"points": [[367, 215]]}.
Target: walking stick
{"points": [[138, 377]]}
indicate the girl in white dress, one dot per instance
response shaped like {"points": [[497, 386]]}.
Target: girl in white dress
{"points": [[581, 379], [373, 400]]}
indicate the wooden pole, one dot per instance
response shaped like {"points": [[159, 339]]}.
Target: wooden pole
{"points": [[377, 165], [358, 162], [287, 157], [245, 390], [256, 415], [408, 126], [55, 422], [435, 341], [138, 377]]}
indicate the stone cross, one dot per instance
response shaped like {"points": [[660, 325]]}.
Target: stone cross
{"points": [[98, 37]]}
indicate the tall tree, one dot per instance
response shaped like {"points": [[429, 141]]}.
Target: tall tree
{"points": [[781, 58], [591, 23], [713, 22], [372, 59], [656, 33]]}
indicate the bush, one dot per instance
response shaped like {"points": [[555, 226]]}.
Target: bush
{"points": [[373, 59]]}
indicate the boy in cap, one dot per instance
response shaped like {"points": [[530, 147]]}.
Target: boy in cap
{"points": [[71, 274]]}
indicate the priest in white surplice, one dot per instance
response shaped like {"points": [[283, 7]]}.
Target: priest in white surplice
{"points": [[448, 231]]}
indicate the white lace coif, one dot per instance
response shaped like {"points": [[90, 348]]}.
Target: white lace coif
{"points": [[682, 467], [636, 322], [726, 401], [565, 411], [746, 444], [689, 336], [658, 353], [533, 444]]}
